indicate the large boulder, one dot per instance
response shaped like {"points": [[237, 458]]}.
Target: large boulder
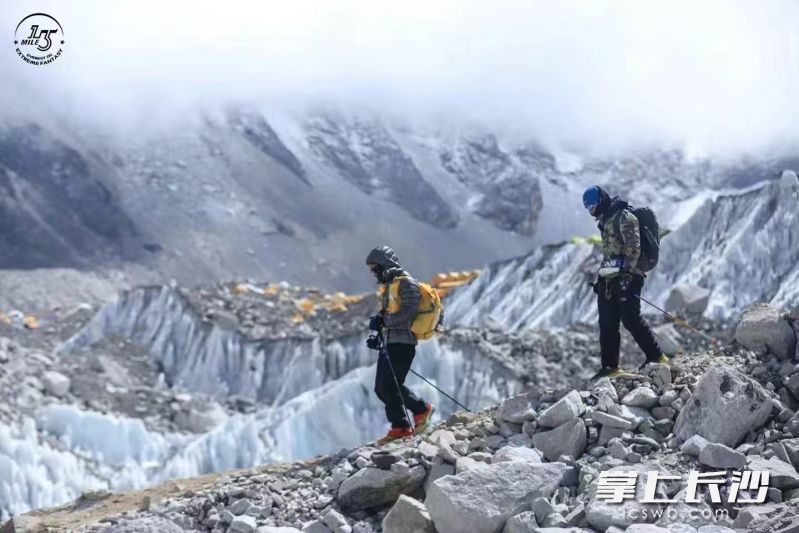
{"points": [[688, 298], [482, 500], [564, 410], [373, 487], [569, 438], [762, 329], [722, 390], [408, 516]]}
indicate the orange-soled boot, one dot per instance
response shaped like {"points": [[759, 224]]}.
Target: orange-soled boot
{"points": [[395, 434], [421, 420]]}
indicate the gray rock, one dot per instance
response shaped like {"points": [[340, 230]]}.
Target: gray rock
{"points": [[669, 339], [372, 487], [481, 501], [567, 409], [641, 397], [636, 415], [408, 516], [721, 390], [242, 524], [605, 393], [663, 412], [336, 522], [762, 329], [607, 419], [56, 383], [239, 507], [277, 529], [688, 298], [443, 438], [316, 526], [542, 508], [602, 514], [521, 523], [519, 409], [717, 455], [749, 512], [438, 470], [554, 520], [694, 445], [668, 397], [569, 438], [609, 432], [465, 464], [781, 474], [516, 453]]}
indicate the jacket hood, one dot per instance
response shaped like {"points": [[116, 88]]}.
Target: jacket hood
{"points": [[616, 205], [385, 257]]}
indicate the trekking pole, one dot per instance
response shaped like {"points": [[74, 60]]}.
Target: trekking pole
{"points": [[384, 351], [679, 321], [456, 402]]}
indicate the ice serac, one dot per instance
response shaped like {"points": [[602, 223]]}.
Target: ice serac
{"points": [[548, 287], [224, 362], [742, 247]]}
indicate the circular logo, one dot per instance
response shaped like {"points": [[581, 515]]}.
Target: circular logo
{"points": [[39, 39]]}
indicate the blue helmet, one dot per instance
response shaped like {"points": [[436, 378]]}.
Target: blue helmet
{"points": [[592, 198], [596, 200]]}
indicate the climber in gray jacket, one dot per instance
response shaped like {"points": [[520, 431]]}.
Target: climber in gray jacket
{"points": [[399, 301]]}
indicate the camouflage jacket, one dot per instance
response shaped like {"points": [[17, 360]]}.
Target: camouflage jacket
{"points": [[621, 238]]}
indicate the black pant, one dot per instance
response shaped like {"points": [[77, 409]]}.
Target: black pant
{"points": [[401, 356], [617, 306]]}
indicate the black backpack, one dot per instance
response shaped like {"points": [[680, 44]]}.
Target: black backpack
{"points": [[650, 237]]}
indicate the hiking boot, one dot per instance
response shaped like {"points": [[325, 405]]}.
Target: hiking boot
{"points": [[395, 434], [421, 420], [608, 372], [662, 360]]}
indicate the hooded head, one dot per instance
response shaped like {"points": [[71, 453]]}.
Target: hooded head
{"points": [[596, 200], [384, 259]]}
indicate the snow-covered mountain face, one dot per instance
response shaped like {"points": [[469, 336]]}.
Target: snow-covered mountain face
{"points": [[302, 197], [743, 246]]}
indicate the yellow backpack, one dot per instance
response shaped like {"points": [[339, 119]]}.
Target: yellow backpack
{"points": [[428, 315]]}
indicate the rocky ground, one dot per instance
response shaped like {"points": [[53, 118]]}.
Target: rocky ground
{"points": [[530, 464]]}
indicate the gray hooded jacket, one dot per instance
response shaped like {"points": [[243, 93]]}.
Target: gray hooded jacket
{"points": [[397, 328]]}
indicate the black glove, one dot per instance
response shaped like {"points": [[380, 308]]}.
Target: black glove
{"points": [[376, 322], [595, 286], [373, 343]]}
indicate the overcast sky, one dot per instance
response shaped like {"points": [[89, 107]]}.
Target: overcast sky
{"points": [[712, 77]]}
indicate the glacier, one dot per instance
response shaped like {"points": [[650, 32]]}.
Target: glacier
{"points": [[321, 404], [742, 245]]}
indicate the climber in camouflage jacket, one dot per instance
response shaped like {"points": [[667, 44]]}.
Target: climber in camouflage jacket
{"points": [[620, 281]]}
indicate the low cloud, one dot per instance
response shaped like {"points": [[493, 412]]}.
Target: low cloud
{"points": [[710, 77]]}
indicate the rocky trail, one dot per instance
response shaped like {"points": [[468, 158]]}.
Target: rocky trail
{"points": [[531, 463]]}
